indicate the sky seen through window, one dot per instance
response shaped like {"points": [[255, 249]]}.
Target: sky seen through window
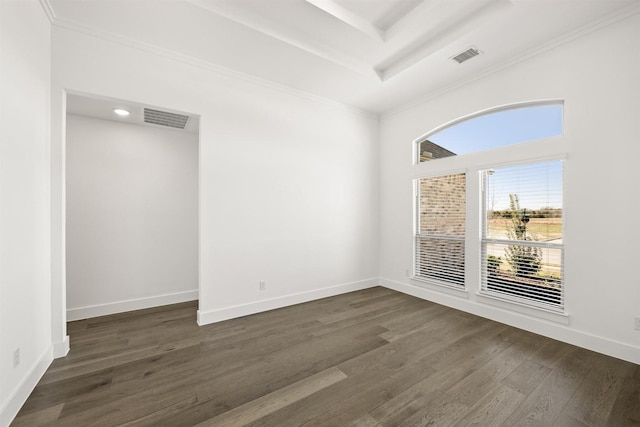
{"points": [[507, 127]]}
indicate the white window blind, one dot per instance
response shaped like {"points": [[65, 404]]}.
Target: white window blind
{"points": [[522, 246], [440, 229]]}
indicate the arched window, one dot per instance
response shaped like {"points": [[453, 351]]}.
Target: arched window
{"points": [[490, 129], [521, 221]]}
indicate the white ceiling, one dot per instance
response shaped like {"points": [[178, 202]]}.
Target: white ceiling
{"points": [[375, 55]]}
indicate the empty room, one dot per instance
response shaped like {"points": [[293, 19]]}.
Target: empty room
{"points": [[319, 212]]}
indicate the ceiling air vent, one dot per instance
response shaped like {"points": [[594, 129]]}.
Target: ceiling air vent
{"points": [[466, 55], [163, 118]]}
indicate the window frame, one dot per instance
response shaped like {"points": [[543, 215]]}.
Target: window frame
{"points": [[530, 151]]}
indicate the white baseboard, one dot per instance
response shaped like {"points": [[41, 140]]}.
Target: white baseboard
{"points": [[60, 349], [226, 313], [12, 406], [540, 326], [87, 312]]}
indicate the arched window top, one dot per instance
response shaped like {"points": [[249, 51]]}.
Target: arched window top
{"points": [[492, 128]]}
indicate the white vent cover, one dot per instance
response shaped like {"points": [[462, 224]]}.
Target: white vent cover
{"points": [[163, 118], [466, 55]]}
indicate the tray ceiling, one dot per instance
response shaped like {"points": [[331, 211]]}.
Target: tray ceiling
{"points": [[375, 55]]}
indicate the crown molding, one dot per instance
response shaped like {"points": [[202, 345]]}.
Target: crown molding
{"points": [[560, 41], [210, 66]]}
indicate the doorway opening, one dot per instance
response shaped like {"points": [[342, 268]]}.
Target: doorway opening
{"points": [[131, 184]]}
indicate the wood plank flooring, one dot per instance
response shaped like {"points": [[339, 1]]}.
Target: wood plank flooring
{"points": [[373, 358]]}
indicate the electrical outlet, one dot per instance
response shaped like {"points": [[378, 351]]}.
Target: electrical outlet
{"points": [[16, 357], [637, 323], [407, 272], [262, 285]]}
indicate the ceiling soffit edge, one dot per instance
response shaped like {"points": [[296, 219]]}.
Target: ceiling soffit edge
{"points": [[562, 40], [446, 32], [406, 40], [48, 10], [282, 34], [379, 28], [210, 66], [194, 61], [349, 18]]}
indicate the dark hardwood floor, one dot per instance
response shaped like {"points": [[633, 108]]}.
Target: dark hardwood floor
{"points": [[369, 358]]}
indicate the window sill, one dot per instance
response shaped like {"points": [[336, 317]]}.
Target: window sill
{"points": [[539, 312]]}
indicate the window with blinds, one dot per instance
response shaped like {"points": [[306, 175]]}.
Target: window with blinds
{"points": [[440, 229], [522, 248]]}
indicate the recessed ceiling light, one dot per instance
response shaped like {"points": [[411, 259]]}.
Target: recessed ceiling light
{"points": [[121, 112]]}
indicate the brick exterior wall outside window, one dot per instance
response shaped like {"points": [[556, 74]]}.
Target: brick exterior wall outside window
{"points": [[441, 228]]}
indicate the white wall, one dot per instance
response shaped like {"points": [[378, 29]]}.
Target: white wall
{"points": [[288, 184], [597, 76], [132, 216], [25, 295]]}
